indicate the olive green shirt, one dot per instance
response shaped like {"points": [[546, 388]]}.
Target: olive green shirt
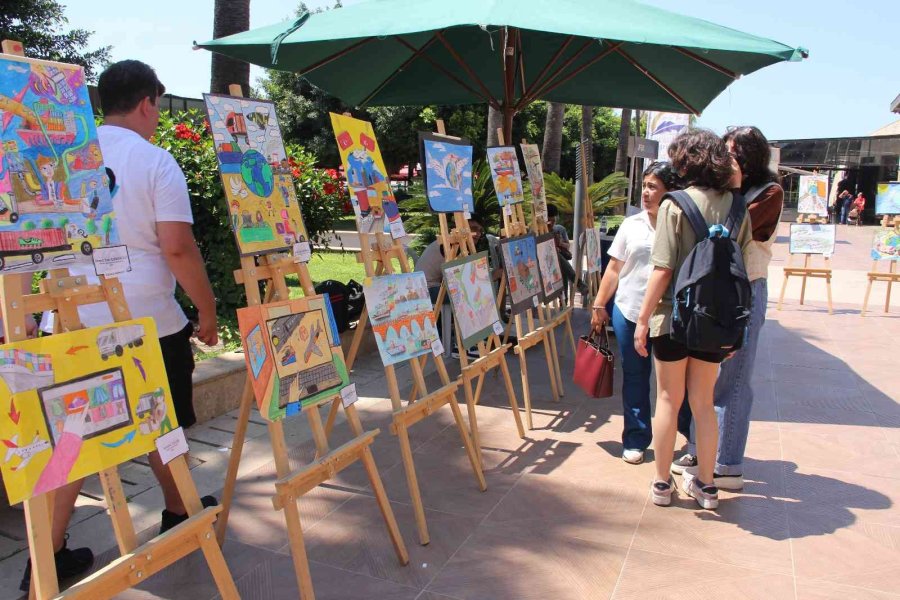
{"points": [[675, 238]]}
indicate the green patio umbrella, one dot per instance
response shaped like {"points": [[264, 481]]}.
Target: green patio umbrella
{"points": [[509, 53]]}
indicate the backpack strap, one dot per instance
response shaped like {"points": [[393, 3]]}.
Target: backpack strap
{"points": [[736, 214], [687, 205], [754, 192]]}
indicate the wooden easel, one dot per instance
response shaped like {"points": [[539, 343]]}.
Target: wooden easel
{"points": [[291, 484], [807, 272], [64, 294], [592, 280], [890, 277], [492, 353]]}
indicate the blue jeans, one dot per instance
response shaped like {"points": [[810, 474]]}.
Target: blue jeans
{"points": [[845, 210], [635, 385], [734, 390]]}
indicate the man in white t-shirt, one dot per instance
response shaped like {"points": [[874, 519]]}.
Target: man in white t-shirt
{"points": [[153, 215]]}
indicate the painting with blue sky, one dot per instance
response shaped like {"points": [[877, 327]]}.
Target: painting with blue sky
{"points": [[447, 169]]}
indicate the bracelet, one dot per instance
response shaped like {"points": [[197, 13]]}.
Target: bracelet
{"points": [[598, 307]]}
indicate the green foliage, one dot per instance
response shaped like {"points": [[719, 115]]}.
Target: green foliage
{"points": [[605, 194], [42, 27]]}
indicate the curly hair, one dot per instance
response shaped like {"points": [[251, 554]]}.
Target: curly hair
{"points": [[662, 170], [751, 150], [701, 158]]}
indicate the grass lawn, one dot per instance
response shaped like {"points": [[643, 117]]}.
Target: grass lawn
{"points": [[341, 266]]}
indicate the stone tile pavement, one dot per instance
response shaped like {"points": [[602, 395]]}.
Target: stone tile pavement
{"points": [[563, 517]]}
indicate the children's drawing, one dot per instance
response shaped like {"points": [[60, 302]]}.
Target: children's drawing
{"points": [[886, 245], [472, 296], [887, 199], [522, 273], [548, 263], [402, 315], [447, 169], [807, 238], [300, 362], [262, 201], [115, 339], [66, 413], [535, 171], [370, 188], [592, 250], [506, 175], [55, 203], [813, 195]]}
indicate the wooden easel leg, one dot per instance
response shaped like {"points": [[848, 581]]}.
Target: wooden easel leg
{"points": [[473, 419], [571, 334], [234, 460], [38, 517], [551, 364], [412, 482], [866, 298], [298, 548], [511, 395], [218, 567], [357, 338], [526, 389], [332, 416], [118, 510], [803, 290], [474, 459], [783, 289], [887, 298], [828, 289]]}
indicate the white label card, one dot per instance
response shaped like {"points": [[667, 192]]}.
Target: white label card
{"points": [[467, 215], [348, 395], [437, 347], [302, 252], [507, 210], [112, 260], [171, 445], [397, 230], [498, 327], [534, 299]]}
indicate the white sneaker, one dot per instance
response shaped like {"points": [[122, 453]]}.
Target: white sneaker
{"points": [[706, 496], [684, 461], [734, 483], [633, 457], [662, 492]]}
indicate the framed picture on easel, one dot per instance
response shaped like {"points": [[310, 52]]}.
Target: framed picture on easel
{"points": [[808, 238]]}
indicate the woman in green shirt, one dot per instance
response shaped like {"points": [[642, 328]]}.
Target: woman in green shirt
{"points": [[701, 158]]}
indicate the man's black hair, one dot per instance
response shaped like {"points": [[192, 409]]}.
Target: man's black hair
{"points": [[123, 85], [552, 211]]}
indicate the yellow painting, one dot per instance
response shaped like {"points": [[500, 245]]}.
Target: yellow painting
{"points": [[256, 174], [76, 403], [367, 178]]}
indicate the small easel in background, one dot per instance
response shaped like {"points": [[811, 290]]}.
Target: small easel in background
{"points": [[592, 280], [806, 272], [272, 270], [492, 354], [890, 277], [64, 294]]}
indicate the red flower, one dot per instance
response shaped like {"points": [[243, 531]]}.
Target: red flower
{"points": [[329, 188]]}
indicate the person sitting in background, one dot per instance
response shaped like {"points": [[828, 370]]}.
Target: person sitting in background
{"points": [[857, 208], [563, 249]]}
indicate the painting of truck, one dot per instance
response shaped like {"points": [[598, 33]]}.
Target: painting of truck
{"points": [[35, 243], [114, 340]]}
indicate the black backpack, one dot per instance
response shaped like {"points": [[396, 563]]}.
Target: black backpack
{"points": [[339, 294], [356, 300], [711, 291]]}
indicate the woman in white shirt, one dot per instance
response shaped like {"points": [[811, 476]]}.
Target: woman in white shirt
{"points": [[626, 277]]}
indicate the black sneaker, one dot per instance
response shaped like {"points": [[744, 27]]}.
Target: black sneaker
{"points": [[69, 564], [686, 461], [170, 519]]}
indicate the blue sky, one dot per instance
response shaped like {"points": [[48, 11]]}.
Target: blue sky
{"points": [[843, 89]]}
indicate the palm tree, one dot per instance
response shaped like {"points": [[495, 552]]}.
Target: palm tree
{"points": [[587, 133], [605, 194], [553, 131], [229, 17], [624, 132]]}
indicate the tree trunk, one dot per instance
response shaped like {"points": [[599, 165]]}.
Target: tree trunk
{"points": [[624, 132], [553, 131], [494, 122], [229, 17], [587, 133]]}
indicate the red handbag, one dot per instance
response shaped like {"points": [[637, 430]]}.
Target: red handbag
{"points": [[594, 365]]}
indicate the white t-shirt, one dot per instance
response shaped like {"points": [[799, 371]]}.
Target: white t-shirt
{"points": [[632, 245], [152, 188]]}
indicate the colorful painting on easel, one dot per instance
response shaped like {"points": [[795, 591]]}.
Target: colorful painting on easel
{"points": [[293, 354], [472, 296], [402, 315], [808, 238], [506, 174], [887, 198], [76, 403], [548, 262], [522, 274], [256, 175], [367, 178], [55, 202], [813, 198], [447, 171], [886, 245], [535, 171], [592, 250]]}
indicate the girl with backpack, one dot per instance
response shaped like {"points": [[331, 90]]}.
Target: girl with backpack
{"points": [[702, 160], [733, 397]]}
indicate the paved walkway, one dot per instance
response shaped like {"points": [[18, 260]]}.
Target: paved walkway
{"points": [[563, 516]]}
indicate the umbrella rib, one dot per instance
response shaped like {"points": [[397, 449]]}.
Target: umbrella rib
{"points": [[707, 62], [546, 68], [656, 80], [601, 55], [549, 80], [467, 69], [335, 56], [521, 60], [446, 72], [399, 69]]}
